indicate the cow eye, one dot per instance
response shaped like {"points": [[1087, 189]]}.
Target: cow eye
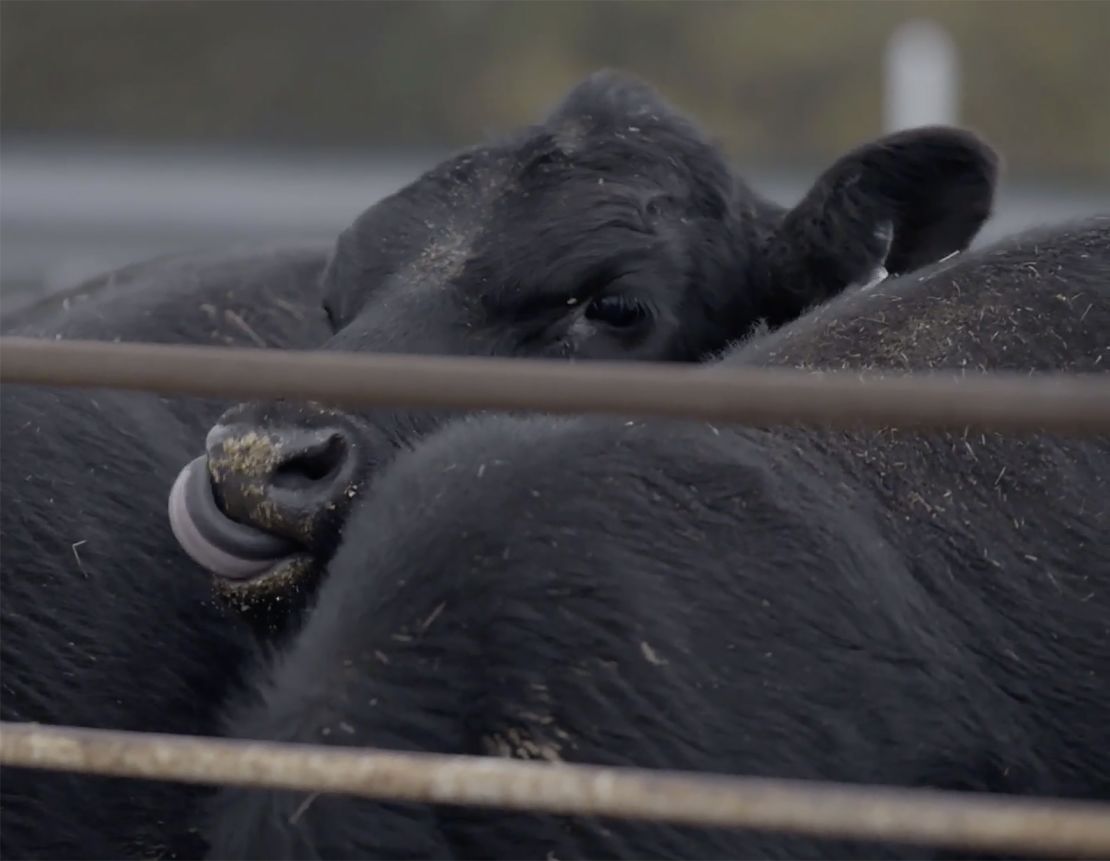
{"points": [[617, 311]]}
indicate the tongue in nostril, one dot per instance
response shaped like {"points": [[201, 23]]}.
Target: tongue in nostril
{"points": [[210, 537]]}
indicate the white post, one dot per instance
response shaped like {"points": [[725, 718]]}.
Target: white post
{"points": [[920, 77]]}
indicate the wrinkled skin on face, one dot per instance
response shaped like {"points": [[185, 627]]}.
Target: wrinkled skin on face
{"points": [[611, 230]]}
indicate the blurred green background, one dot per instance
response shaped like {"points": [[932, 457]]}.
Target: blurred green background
{"points": [[796, 82], [134, 129]]}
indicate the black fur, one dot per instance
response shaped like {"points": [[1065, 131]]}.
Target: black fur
{"points": [[105, 622], [507, 248], [614, 205], [921, 609]]}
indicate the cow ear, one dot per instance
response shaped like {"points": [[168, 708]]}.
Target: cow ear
{"points": [[889, 206]]}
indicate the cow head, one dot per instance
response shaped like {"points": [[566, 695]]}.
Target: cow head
{"points": [[611, 230]]}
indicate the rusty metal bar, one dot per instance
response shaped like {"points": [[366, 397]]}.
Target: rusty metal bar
{"points": [[972, 822], [1056, 403]]}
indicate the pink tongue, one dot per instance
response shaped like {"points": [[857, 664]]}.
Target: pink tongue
{"points": [[202, 551]]}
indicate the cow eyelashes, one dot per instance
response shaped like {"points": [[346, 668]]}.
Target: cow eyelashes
{"points": [[617, 311]]}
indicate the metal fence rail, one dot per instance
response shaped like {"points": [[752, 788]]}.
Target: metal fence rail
{"points": [[1057, 403], [968, 821]]}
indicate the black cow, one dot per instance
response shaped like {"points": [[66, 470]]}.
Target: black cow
{"points": [[612, 230], [615, 203], [920, 609], [104, 621]]}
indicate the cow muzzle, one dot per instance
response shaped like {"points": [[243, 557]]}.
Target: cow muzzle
{"points": [[268, 498]]}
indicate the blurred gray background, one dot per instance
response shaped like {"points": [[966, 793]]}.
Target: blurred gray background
{"points": [[133, 129]]}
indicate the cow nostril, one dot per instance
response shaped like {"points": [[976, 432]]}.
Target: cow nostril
{"points": [[316, 464]]}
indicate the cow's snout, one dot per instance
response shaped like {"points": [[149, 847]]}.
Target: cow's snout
{"points": [[286, 479], [263, 508]]}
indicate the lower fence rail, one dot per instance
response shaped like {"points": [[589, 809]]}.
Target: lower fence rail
{"points": [[966, 821]]}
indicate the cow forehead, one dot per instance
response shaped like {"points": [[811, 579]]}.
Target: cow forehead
{"points": [[513, 194], [440, 259], [486, 204], [468, 199]]}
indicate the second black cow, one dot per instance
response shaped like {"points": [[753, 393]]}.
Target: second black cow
{"points": [[916, 609]]}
